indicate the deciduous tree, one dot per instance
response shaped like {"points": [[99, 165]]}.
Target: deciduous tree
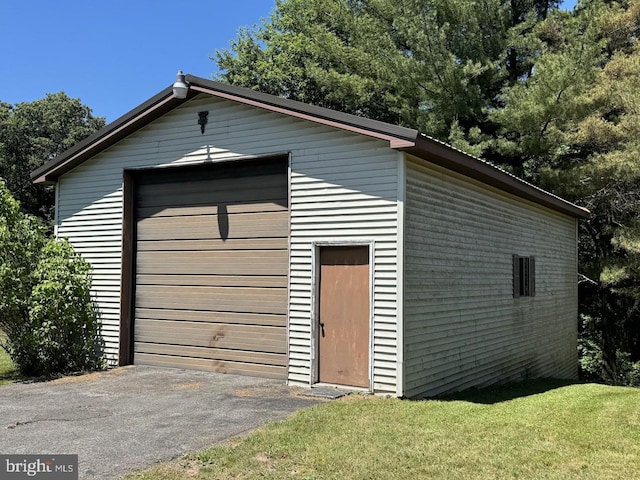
{"points": [[33, 133]]}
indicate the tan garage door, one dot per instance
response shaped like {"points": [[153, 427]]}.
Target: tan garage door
{"points": [[211, 268]]}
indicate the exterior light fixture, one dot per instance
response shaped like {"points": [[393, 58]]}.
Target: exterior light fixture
{"points": [[181, 87]]}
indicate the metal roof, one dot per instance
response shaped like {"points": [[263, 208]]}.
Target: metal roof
{"points": [[399, 138]]}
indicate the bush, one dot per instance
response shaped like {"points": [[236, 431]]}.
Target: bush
{"points": [[64, 320], [51, 323], [622, 371]]}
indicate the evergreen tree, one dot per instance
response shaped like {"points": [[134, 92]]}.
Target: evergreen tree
{"points": [[574, 123], [434, 65], [548, 94]]}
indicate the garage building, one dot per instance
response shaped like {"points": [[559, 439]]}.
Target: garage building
{"points": [[240, 232]]}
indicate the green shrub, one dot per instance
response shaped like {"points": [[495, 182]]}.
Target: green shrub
{"points": [[622, 371], [51, 323], [64, 320], [590, 359]]}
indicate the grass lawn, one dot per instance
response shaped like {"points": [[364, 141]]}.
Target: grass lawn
{"points": [[540, 429], [7, 370]]}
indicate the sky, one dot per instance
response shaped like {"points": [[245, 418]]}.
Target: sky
{"points": [[115, 54]]}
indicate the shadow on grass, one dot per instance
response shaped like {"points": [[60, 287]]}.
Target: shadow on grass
{"points": [[509, 391]]}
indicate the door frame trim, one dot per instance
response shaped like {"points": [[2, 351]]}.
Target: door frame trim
{"points": [[316, 245], [127, 272]]}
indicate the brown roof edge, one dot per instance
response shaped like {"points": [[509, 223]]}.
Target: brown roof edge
{"points": [[444, 155], [400, 138], [128, 123], [397, 135], [163, 102]]}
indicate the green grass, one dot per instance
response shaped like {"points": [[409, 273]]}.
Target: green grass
{"points": [[8, 372], [534, 430]]}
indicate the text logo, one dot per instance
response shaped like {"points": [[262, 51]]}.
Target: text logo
{"points": [[49, 467]]}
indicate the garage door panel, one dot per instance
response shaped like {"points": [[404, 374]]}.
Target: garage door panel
{"points": [[236, 368], [236, 337], [259, 189], [247, 225], [244, 356], [197, 179], [274, 320], [214, 280], [223, 299], [205, 263], [186, 199], [209, 209], [281, 243]]}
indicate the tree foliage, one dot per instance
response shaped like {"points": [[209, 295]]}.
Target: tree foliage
{"points": [[575, 125], [434, 65], [46, 311], [552, 95], [33, 133]]}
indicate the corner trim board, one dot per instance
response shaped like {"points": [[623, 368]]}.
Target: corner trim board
{"points": [[402, 188]]}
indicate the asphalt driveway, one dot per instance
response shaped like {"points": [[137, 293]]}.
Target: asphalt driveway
{"points": [[130, 418]]}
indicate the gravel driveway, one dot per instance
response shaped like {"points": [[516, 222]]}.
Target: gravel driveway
{"points": [[132, 417]]}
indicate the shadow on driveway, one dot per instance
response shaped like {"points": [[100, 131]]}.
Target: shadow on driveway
{"points": [[133, 417]]}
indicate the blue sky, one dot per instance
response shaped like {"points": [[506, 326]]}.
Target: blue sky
{"points": [[114, 54]]}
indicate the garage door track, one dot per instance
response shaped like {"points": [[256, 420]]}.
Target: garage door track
{"points": [[131, 418]]}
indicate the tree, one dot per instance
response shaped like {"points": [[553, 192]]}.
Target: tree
{"points": [[576, 123], [33, 133], [608, 183], [538, 109], [46, 311], [434, 65], [550, 95]]}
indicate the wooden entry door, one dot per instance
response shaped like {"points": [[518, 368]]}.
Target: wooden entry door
{"points": [[343, 330]]}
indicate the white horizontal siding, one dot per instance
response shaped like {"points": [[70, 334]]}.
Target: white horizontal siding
{"points": [[345, 194], [462, 325], [343, 186]]}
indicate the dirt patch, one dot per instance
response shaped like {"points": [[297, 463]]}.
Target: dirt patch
{"points": [[188, 386], [174, 470], [262, 457], [119, 370], [272, 391], [191, 468], [360, 397], [87, 377], [265, 461]]}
